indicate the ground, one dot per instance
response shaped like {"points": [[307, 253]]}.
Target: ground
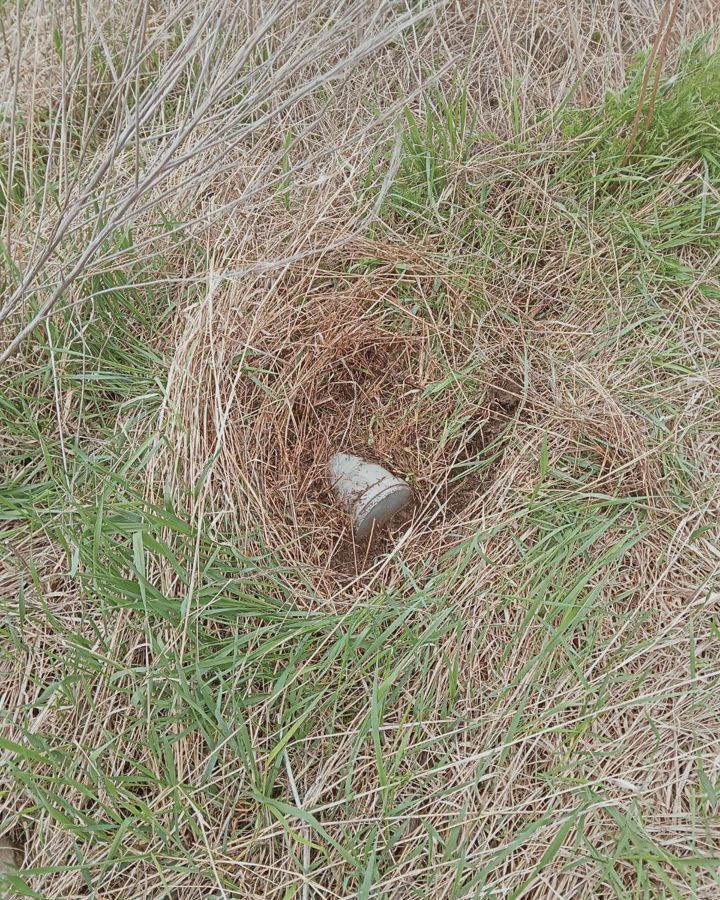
{"points": [[477, 243]]}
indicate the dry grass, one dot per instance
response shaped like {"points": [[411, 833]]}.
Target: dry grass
{"points": [[254, 256]]}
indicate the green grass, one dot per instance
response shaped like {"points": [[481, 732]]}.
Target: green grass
{"points": [[188, 702]]}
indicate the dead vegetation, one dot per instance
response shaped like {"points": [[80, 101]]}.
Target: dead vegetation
{"points": [[210, 689]]}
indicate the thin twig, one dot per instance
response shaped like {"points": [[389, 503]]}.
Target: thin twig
{"points": [[646, 78], [662, 52], [584, 99]]}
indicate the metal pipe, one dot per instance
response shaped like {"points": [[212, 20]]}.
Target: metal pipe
{"points": [[370, 493]]}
